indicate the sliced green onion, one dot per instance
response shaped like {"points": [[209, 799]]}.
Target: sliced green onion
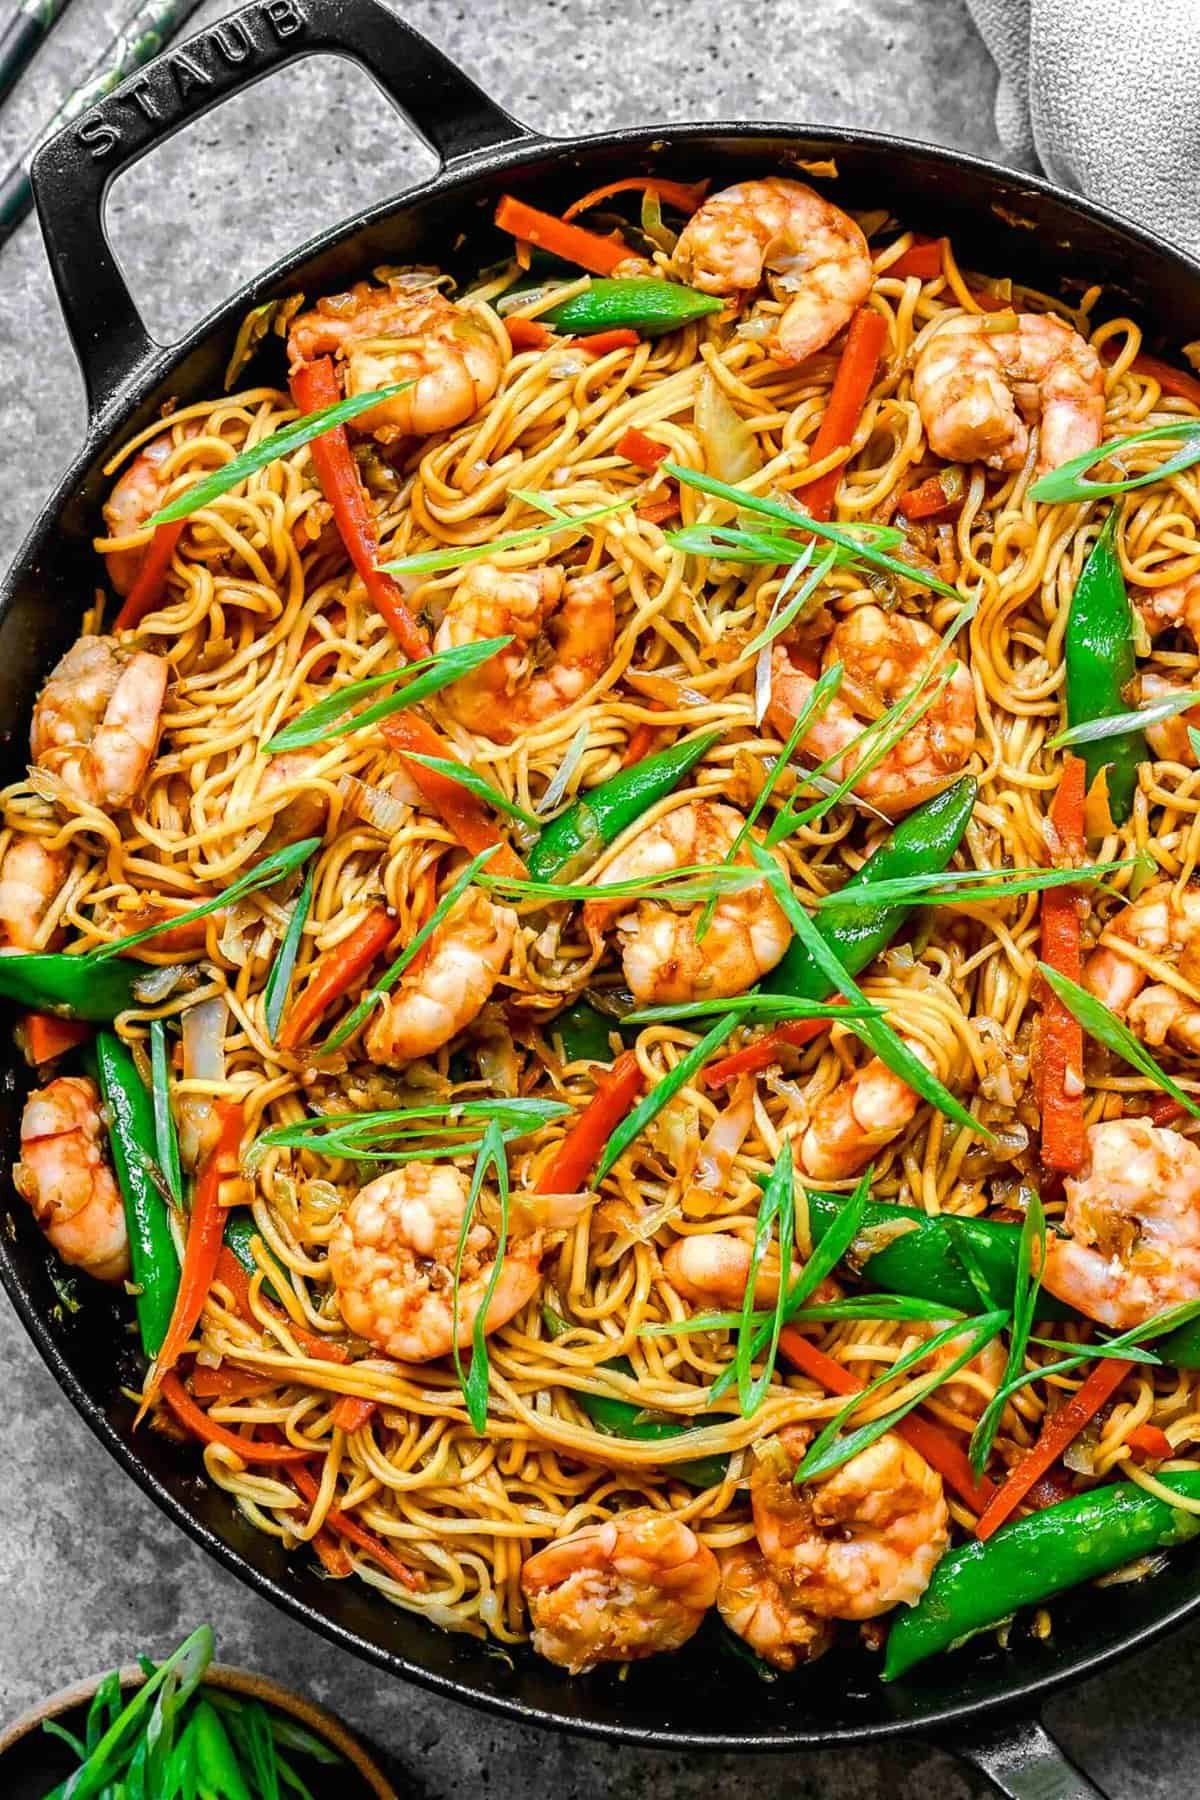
{"points": [[1108, 1030], [475, 784], [817, 701], [950, 885], [474, 1382], [280, 862], [391, 975], [279, 443], [858, 1306], [327, 719], [824, 1259], [279, 981], [1094, 731], [829, 1450], [166, 1144], [673, 887], [862, 548], [781, 619], [1100, 1348], [427, 561], [1066, 483], [1026, 1287], [777, 1204], [648, 1108], [968, 1258], [1170, 1320], [752, 1006], [351, 1134], [876, 1034]]}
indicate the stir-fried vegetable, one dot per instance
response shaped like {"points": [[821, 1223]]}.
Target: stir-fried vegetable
{"points": [[573, 841], [1100, 663], [459, 809], [637, 303], [599, 255], [1068, 483], [851, 385], [1060, 1046], [132, 1135], [79, 986]]}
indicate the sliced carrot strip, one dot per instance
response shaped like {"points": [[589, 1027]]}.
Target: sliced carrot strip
{"points": [[601, 342], [851, 385], [599, 255], [229, 1383], [927, 500], [751, 1059], [44, 1036], [231, 1275], [456, 806], [197, 1421], [1059, 1430], [351, 1413], [1148, 1440], [527, 334], [583, 1146], [685, 196], [336, 972], [641, 450], [151, 582], [1060, 1061], [346, 1527]]}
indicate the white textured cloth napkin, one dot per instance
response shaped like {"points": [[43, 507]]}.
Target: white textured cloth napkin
{"points": [[1105, 94]]}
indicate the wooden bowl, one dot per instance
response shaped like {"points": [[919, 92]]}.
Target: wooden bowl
{"points": [[32, 1761]]}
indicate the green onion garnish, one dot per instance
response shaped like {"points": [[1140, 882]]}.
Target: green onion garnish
{"points": [[1094, 731], [673, 887], [858, 1306], [166, 1143], [951, 885], [1170, 1320], [453, 557], [777, 1204], [754, 1006], [327, 719], [876, 1034], [782, 618], [269, 870], [376, 1136], [1108, 1030], [1066, 483], [649, 1107], [474, 1382], [1026, 1288], [475, 784], [279, 981], [279, 443], [391, 975], [829, 1450]]}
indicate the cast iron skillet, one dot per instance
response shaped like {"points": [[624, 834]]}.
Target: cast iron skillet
{"points": [[1001, 221]]}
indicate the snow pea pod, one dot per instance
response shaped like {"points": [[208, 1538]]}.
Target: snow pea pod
{"points": [[979, 1585], [573, 841], [651, 307], [921, 844], [1098, 650], [75, 985], [152, 1254]]}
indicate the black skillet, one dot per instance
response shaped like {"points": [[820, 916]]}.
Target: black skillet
{"points": [[980, 1702]]}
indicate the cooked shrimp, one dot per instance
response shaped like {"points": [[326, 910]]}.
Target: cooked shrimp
{"points": [[977, 1380], [866, 1538], [885, 656], [383, 336], [862, 1115], [1175, 607], [96, 722], [392, 1257], [1133, 1219], [976, 388], [30, 877], [1169, 738], [816, 251], [138, 493], [63, 1175], [713, 1269], [562, 634], [306, 810], [434, 1003], [615, 1592], [663, 961], [1164, 923], [759, 1605]]}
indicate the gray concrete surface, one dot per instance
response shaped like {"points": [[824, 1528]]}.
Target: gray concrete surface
{"points": [[88, 1571]]}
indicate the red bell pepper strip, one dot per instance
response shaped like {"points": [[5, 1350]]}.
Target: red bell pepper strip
{"points": [[926, 1437], [641, 450], [151, 581], [466, 816], [601, 342], [642, 739], [344, 1526], [1165, 1111], [231, 1275], [1176, 382], [44, 1036], [923, 258], [314, 385], [568, 1169], [1059, 1430], [336, 972], [685, 196], [1148, 1440], [598, 255], [229, 1382], [351, 1413], [927, 500], [527, 334], [197, 1421], [657, 512], [851, 385], [751, 1059], [201, 1251], [1060, 1062]]}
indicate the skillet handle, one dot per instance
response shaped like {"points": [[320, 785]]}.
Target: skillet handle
{"points": [[1021, 1760], [72, 173]]}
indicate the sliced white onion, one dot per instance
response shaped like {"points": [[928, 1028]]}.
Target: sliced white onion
{"points": [[563, 773], [374, 804], [203, 1032]]}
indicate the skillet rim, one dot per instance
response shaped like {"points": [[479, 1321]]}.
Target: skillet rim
{"points": [[103, 429]]}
